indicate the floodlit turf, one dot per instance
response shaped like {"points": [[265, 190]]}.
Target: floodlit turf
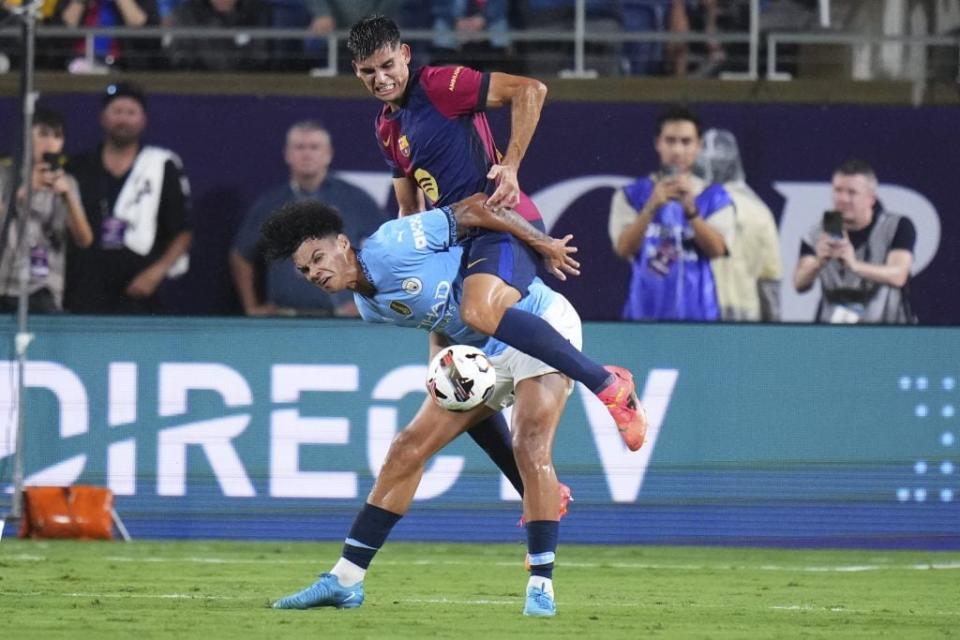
{"points": [[214, 590]]}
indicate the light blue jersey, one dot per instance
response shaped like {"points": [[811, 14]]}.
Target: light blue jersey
{"points": [[414, 263]]}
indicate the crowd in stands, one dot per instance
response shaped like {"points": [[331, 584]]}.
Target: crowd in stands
{"points": [[476, 32]]}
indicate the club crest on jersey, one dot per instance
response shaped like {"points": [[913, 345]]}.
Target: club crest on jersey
{"points": [[404, 146], [398, 307], [413, 286], [428, 184]]}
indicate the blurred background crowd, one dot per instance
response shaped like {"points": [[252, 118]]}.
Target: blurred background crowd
{"points": [[623, 37]]}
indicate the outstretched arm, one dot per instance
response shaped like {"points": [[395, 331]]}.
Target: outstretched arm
{"points": [[525, 97], [474, 212]]}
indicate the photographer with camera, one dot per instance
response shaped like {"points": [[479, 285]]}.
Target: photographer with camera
{"points": [[860, 253], [55, 210], [668, 226]]}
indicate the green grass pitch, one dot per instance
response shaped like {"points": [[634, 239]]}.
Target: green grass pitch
{"points": [[213, 590]]}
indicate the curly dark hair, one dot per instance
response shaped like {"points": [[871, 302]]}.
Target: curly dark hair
{"points": [[372, 34], [288, 227]]}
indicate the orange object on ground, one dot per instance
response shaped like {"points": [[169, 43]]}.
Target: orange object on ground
{"points": [[67, 512]]}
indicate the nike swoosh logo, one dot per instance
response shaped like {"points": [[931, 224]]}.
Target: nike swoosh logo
{"points": [[387, 142], [471, 265]]}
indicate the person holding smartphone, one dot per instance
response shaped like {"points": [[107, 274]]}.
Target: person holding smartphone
{"points": [[669, 225], [55, 211], [860, 253]]}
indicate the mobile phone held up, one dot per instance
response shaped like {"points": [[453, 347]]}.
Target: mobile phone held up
{"points": [[54, 160], [833, 224]]}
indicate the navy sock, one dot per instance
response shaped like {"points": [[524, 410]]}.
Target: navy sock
{"points": [[535, 336], [368, 533], [493, 436], [542, 546]]}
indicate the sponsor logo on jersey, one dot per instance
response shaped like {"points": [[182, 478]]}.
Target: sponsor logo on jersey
{"points": [[398, 307], [453, 79], [413, 286], [419, 235], [388, 140], [428, 183], [404, 146]]}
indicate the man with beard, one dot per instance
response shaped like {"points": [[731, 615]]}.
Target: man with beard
{"points": [[136, 199]]}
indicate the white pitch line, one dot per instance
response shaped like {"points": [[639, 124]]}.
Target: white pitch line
{"points": [[807, 607], [455, 601], [810, 608], [646, 566], [149, 596], [581, 565]]}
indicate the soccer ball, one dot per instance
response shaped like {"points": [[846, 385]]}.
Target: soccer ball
{"points": [[460, 378]]}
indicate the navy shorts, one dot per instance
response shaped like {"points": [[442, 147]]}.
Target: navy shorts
{"points": [[501, 255]]}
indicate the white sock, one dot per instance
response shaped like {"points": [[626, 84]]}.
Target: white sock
{"points": [[348, 573], [541, 583]]}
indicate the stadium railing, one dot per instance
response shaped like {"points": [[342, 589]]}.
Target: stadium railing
{"points": [[749, 44]]}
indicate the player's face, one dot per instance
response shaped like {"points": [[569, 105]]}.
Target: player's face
{"points": [[385, 73], [308, 152], [326, 262], [854, 197], [123, 120], [678, 144]]}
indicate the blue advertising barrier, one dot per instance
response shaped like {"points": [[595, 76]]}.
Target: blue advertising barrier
{"points": [[762, 435]]}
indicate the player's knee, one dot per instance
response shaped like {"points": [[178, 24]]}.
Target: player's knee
{"points": [[405, 452], [530, 448], [480, 317]]}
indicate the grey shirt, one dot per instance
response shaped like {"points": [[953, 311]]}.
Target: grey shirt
{"points": [[44, 252]]}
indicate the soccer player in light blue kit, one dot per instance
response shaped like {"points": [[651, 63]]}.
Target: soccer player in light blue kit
{"points": [[409, 274]]}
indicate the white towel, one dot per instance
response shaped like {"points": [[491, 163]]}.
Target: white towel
{"points": [[139, 203]]}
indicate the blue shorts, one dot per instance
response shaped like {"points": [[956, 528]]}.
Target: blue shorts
{"points": [[501, 255]]}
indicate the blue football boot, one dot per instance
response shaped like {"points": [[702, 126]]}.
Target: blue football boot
{"points": [[539, 603], [325, 592]]}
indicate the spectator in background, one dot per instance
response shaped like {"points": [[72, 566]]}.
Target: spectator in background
{"points": [[220, 54], [11, 46], [55, 211], [136, 198], [165, 8], [862, 260], [668, 226], [602, 16], [455, 18], [330, 15], [644, 58], [308, 153], [7, 43], [678, 52], [326, 16], [129, 53], [748, 279]]}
